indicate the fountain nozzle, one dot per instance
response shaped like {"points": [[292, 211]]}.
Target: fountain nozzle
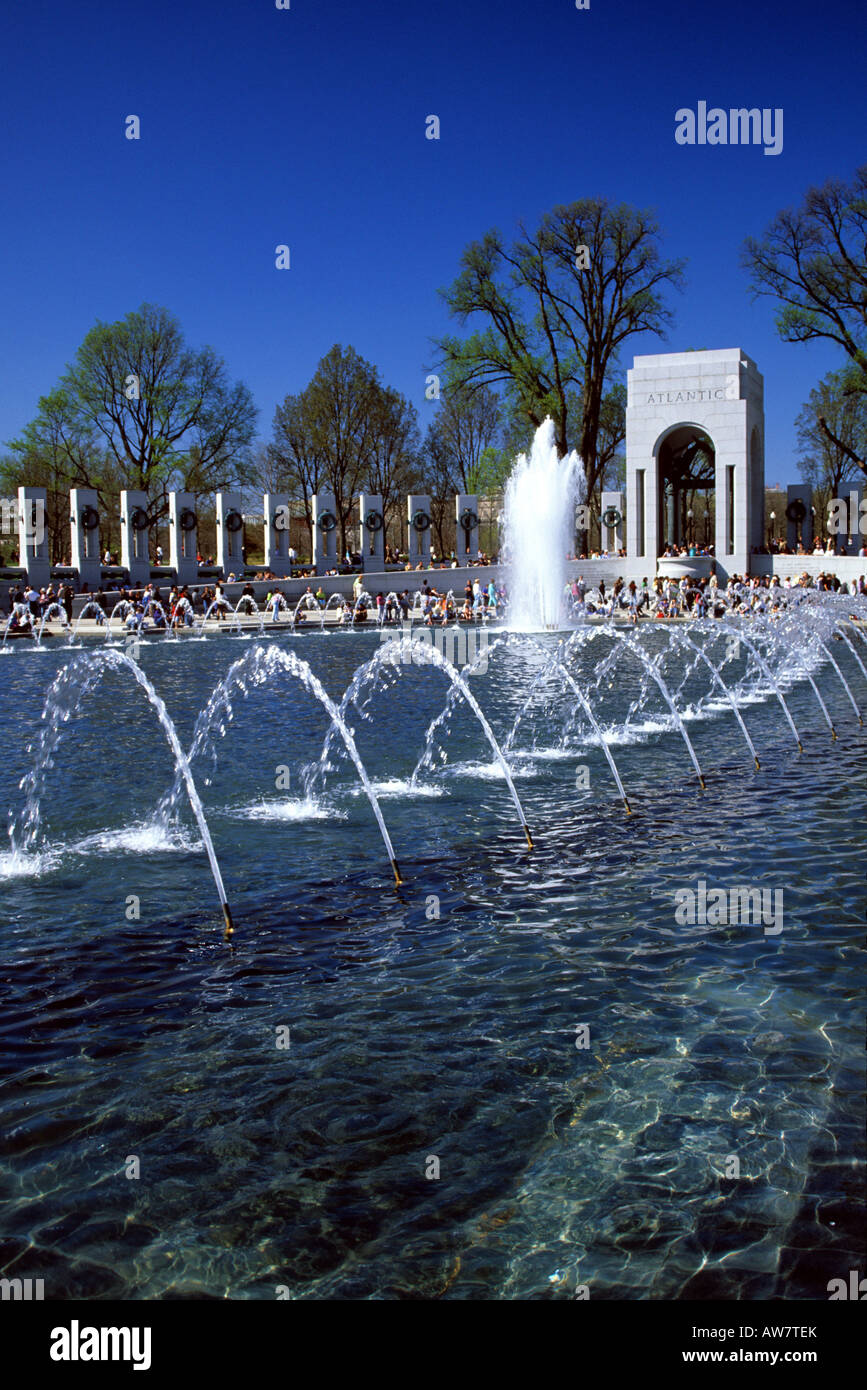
{"points": [[758, 765], [800, 746], [397, 878], [227, 918], [628, 807], [833, 734], [702, 784], [529, 837]]}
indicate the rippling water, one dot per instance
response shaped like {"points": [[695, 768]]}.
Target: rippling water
{"points": [[438, 1020]]}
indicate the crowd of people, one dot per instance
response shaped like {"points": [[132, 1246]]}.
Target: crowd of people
{"points": [[658, 598], [700, 598]]}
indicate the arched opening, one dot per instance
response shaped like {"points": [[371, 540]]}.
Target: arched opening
{"points": [[686, 509]]}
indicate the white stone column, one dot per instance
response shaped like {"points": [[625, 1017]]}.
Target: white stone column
{"points": [[277, 516], [183, 537], [84, 526], [612, 536], [371, 532], [230, 533], [135, 537], [466, 527], [33, 553], [325, 525], [418, 513]]}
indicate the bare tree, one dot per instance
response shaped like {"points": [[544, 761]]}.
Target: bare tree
{"points": [[813, 260], [557, 306]]}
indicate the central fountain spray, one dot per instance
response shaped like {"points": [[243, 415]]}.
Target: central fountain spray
{"points": [[538, 530]]}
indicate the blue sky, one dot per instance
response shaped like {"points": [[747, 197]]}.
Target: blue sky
{"points": [[262, 126]]}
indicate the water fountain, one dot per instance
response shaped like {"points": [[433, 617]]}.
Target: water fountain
{"points": [[20, 614], [493, 957], [80, 677], [538, 531], [90, 605], [56, 609], [249, 605]]}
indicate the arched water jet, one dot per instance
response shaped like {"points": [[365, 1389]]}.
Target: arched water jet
{"points": [[52, 608], [125, 604], [19, 610], [331, 598], [666, 694], [249, 605], [367, 673], [90, 604], [394, 650], [452, 698], [484, 653], [365, 601], [121, 661], [303, 602], [264, 660], [585, 704], [560, 652], [851, 645], [389, 596], [751, 647], [682, 637], [200, 626], [778, 634], [554, 664], [846, 687]]}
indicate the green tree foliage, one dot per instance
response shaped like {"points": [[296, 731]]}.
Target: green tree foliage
{"points": [[138, 408]]}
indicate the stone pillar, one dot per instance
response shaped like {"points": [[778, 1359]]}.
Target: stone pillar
{"points": [[183, 539], [33, 536], [737, 430], [803, 493], [611, 536], [466, 527], [418, 516], [277, 534], [84, 525], [324, 532], [230, 533], [135, 537], [371, 532]]}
